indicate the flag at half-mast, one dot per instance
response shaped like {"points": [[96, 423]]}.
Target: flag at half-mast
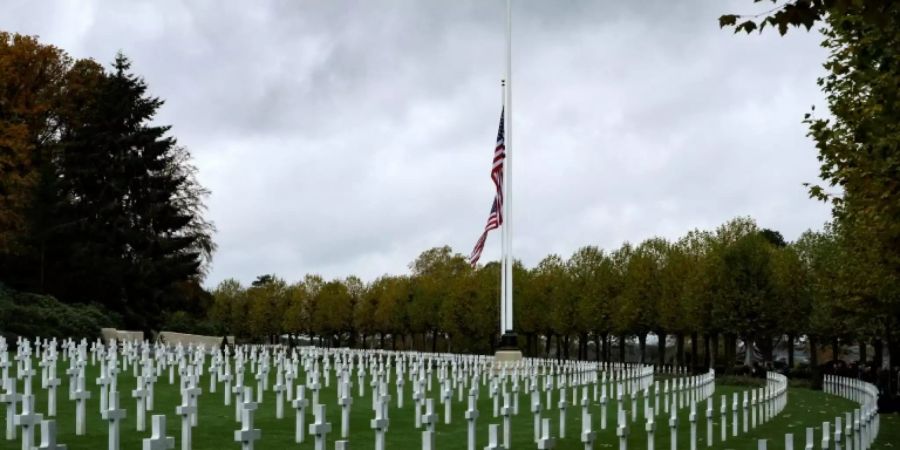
{"points": [[495, 218]]}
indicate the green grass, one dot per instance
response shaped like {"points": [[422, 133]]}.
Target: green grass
{"points": [[216, 424]]}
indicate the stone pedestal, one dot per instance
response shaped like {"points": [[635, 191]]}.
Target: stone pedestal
{"points": [[507, 356]]}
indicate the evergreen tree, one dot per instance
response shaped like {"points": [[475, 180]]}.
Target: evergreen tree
{"points": [[131, 209]]}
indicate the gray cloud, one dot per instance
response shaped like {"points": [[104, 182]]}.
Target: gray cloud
{"points": [[345, 137]]}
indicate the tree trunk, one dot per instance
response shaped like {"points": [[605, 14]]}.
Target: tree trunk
{"points": [[748, 350], [547, 347], [863, 352], [661, 348], [878, 357], [598, 342], [790, 349], [767, 345], [434, 334], [730, 350], [694, 347], [893, 355], [642, 343], [715, 350], [621, 348], [566, 346], [607, 347], [707, 350], [679, 350], [814, 362], [835, 349], [584, 346]]}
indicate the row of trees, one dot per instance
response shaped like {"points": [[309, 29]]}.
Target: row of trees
{"points": [[97, 203], [858, 144], [708, 288]]}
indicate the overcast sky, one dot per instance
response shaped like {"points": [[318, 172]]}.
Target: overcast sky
{"points": [[346, 137]]}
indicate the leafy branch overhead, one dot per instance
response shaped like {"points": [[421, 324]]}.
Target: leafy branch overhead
{"points": [[801, 13]]}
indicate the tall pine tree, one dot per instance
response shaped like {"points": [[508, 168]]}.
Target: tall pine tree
{"points": [[130, 230]]}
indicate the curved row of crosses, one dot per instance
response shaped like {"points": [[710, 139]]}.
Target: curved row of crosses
{"points": [[856, 429], [613, 398]]}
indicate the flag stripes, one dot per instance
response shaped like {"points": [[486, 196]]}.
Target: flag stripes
{"points": [[495, 218]]}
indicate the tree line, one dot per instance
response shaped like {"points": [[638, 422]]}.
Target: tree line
{"points": [[707, 290], [98, 204]]}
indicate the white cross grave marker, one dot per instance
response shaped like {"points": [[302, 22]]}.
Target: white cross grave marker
{"points": [[622, 430], [563, 405], [673, 427], [48, 436], [471, 417], [345, 401], [185, 410], [379, 424], [492, 438], [28, 420], [10, 398], [588, 436], [536, 411], [114, 416], [650, 426], [319, 429], [546, 442], [140, 394], [429, 418], [692, 418], [506, 413], [247, 435], [300, 403], [158, 440], [81, 397]]}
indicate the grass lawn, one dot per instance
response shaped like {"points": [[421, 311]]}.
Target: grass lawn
{"points": [[216, 422]]}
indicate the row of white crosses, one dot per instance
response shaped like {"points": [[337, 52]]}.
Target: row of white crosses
{"points": [[771, 400], [143, 392], [542, 379], [28, 419], [856, 430], [861, 425], [190, 365]]}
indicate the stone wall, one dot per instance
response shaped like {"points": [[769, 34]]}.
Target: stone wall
{"points": [[173, 338], [121, 335]]}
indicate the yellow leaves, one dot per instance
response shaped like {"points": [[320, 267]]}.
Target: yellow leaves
{"points": [[30, 82]]}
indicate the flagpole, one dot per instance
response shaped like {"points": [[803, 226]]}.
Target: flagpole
{"points": [[508, 175], [508, 339], [503, 227]]}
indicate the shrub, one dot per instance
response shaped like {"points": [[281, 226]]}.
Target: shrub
{"points": [[734, 380], [33, 315]]}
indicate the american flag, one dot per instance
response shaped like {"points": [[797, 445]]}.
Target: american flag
{"points": [[495, 218]]}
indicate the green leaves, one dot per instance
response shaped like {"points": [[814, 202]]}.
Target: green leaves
{"points": [[113, 206], [727, 20], [747, 26]]}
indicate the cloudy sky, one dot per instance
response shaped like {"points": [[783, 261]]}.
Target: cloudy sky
{"points": [[345, 137]]}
